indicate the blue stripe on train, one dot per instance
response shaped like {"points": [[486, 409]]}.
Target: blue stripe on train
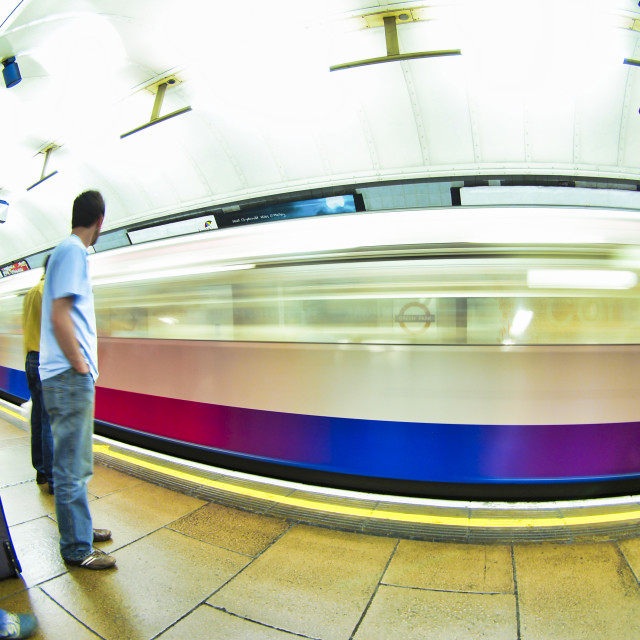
{"points": [[14, 382]]}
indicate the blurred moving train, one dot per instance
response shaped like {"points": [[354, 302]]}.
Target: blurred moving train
{"points": [[472, 353]]}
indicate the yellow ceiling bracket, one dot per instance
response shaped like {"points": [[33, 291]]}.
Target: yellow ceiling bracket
{"points": [[393, 49], [161, 89], [47, 152]]}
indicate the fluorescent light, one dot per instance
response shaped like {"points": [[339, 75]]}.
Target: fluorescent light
{"points": [[521, 322], [170, 273], [581, 279]]}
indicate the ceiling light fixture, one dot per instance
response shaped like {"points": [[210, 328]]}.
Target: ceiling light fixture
{"points": [[520, 322], [393, 48], [581, 279], [155, 112], [47, 152], [11, 72], [179, 272]]}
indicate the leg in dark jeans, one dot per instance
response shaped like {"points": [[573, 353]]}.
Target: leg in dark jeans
{"points": [[41, 438]]}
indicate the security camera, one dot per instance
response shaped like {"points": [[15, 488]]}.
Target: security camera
{"points": [[4, 207]]}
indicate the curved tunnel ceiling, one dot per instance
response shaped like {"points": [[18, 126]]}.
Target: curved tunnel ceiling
{"points": [[541, 88]]}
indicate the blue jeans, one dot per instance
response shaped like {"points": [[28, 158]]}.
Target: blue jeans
{"points": [[41, 438], [69, 398]]}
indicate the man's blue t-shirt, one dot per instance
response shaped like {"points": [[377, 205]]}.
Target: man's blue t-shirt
{"points": [[68, 275]]}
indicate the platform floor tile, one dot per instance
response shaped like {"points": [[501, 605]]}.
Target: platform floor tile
{"points": [[314, 582], [576, 592], [208, 622], [157, 579], [441, 566], [239, 531], [417, 614]]}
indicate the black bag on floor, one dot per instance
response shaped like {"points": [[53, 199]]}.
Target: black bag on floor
{"points": [[9, 565]]}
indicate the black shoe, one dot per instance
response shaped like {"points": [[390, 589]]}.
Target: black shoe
{"points": [[101, 535], [95, 560], [41, 478]]}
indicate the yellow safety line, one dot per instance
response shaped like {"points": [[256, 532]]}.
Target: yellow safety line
{"points": [[13, 413], [380, 514]]}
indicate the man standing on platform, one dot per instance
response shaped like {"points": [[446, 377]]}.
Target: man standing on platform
{"points": [[41, 439], [69, 369]]}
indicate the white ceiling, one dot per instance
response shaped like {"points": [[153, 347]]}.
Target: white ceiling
{"points": [[540, 88]]}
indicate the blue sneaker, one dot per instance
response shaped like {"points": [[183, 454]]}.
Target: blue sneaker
{"points": [[17, 625]]}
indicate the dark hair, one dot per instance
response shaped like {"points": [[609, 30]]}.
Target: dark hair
{"points": [[87, 208], [46, 262]]}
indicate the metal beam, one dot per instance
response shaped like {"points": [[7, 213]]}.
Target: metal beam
{"points": [[156, 121], [391, 35], [398, 58], [393, 49], [47, 152], [35, 184], [157, 104]]}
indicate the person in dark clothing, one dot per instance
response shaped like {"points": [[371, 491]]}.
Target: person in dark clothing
{"points": [[41, 438]]}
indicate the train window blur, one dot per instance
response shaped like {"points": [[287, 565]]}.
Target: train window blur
{"points": [[479, 301], [472, 301]]}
